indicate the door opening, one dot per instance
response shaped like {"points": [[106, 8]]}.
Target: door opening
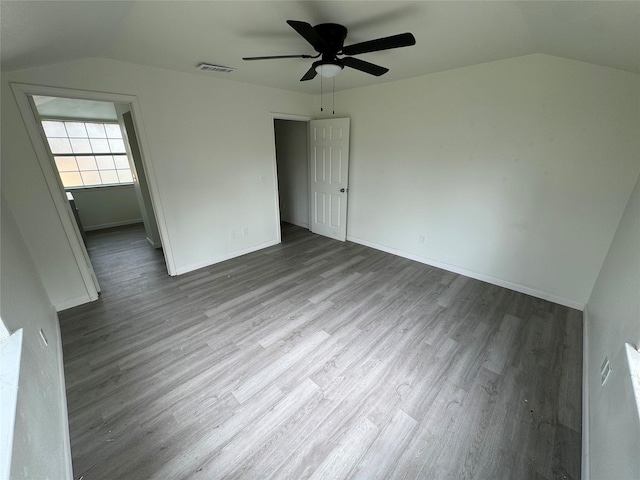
{"points": [[94, 150], [312, 172], [24, 94], [292, 169]]}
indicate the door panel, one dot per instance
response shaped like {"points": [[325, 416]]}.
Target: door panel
{"points": [[329, 155], [320, 216], [140, 184]]}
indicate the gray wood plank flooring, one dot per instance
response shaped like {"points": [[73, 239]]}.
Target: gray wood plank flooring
{"points": [[316, 359]]}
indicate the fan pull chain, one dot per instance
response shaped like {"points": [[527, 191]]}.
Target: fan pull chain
{"points": [[321, 93], [333, 94]]}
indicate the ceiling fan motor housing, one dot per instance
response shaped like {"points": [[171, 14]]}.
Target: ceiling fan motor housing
{"points": [[333, 35]]}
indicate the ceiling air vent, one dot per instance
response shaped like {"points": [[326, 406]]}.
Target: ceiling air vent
{"points": [[208, 67]]}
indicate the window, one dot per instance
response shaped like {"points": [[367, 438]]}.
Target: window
{"points": [[88, 153]]}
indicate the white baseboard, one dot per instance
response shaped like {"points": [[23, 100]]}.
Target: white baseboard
{"points": [[111, 225], [213, 261], [467, 273], [585, 396], [153, 244], [64, 415], [73, 302], [11, 355]]}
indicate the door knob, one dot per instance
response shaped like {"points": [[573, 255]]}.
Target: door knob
{"points": [[342, 190]]}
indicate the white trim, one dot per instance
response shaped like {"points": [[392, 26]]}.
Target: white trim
{"points": [[633, 360], [152, 243], [10, 360], [44, 90], [102, 226], [22, 95], [586, 469], [64, 414], [274, 170], [238, 253], [272, 117], [74, 302], [152, 183], [468, 273], [309, 183], [290, 116], [4, 332]]}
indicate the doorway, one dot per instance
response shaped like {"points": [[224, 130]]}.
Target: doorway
{"points": [[312, 172], [292, 166], [24, 94], [94, 150]]}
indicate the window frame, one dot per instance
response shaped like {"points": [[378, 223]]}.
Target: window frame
{"points": [[49, 118]]}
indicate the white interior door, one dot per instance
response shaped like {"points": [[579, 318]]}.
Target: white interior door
{"points": [[329, 176], [140, 184]]}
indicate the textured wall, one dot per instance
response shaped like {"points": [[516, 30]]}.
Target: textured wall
{"points": [[41, 440]]}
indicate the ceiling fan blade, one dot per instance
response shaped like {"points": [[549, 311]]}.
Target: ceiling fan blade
{"points": [[363, 66], [310, 75], [278, 56], [386, 43], [309, 34]]}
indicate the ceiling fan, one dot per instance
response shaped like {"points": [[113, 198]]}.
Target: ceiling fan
{"points": [[328, 40]]}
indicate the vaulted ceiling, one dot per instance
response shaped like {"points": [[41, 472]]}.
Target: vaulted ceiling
{"points": [[177, 35]]}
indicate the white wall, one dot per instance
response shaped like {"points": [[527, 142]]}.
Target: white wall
{"points": [[210, 146], [41, 436], [516, 171], [24, 187], [105, 207], [613, 316], [293, 171]]}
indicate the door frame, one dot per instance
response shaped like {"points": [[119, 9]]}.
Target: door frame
{"points": [[283, 116], [22, 93]]}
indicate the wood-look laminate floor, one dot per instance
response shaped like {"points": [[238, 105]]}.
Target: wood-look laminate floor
{"points": [[316, 359]]}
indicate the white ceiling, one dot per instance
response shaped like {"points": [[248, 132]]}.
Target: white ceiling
{"points": [[178, 35]]}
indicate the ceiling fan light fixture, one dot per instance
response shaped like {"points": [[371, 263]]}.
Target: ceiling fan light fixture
{"points": [[328, 70]]}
